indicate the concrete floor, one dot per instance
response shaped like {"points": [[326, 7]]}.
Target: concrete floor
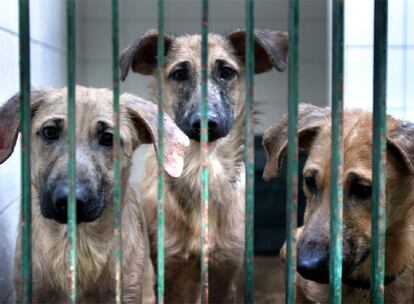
{"points": [[268, 278]]}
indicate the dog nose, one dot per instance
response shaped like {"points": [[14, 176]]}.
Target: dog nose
{"points": [[60, 200], [313, 264], [213, 121]]}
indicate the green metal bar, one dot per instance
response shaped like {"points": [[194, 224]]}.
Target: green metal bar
{"points": [[249, 154], [71, 116], [204, 153], [293, 167], [117, 155], [160, 156], [335, 257], [379, 152], [25, 121]]}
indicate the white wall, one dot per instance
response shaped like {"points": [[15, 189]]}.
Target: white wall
{"points": [[47, 67]]}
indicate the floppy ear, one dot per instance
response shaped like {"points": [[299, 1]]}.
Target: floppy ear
{"points": [[271, 48], [10, 122], [275, 139], [401, 140], [145, 115], [141, 55]]}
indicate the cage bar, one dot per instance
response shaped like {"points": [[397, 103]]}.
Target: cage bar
{"points": [[160, 157], [25, 127], [293, 166], [337, 158], [379, 151], [204, 153], [71, 134], [117, 195], [249, 154]]}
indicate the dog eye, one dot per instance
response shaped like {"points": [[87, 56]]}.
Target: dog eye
{"points": [[227, 73], [359, 190], [106, 139], [310, 183], [50, 133], [180, 75]]}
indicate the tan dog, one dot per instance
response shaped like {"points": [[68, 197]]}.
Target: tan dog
{"points": [[314, 131], [226, 98], [94, 188]]}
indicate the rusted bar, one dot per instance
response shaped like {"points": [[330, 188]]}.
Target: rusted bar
{"points": [[204, 153], [117, 195], [160, 157], [379, 152], [71, 134], [25, 127], [293, 163], [335, 256]]}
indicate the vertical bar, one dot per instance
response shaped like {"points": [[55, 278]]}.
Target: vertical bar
{"points": [[335, 257], [204, 153], [293, 167], [117, 155], [249, 154], [160, 156], [379, 151], [71, 150], [26, 207]]}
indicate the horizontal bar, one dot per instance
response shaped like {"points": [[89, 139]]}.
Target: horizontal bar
{"points": [[25, 127], [249, 154], [293, 166], [379, 151]]}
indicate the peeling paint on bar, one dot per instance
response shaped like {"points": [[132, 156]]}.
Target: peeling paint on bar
{"points": [[71, 116], [25, 127], [293, 167], [204, 153], [117, 196], [249, 154], [335, 257], [160, 156], [379, 152]]}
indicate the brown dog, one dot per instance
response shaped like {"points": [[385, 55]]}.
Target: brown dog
{"points": [[314, 131], [226, 98], [94, 156]]}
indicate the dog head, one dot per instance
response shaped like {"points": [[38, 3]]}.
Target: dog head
{"points": [[226, 74], [314, 133], [94, 146]]}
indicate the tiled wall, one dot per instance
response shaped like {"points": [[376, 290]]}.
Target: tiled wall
{"points": [[47, 66]]}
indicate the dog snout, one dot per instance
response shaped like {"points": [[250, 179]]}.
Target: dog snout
{"points": [[87, 207], [213, 121], [313, 262]]}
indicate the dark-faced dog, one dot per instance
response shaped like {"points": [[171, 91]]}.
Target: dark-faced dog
{"points": [[94, 190], [226, 98], [314, 132]]}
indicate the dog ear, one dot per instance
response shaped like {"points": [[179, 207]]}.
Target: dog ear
{"points": [[275, 139], [400, 140], [271, 48], [10, 121], [145, 115], [141, 55]]}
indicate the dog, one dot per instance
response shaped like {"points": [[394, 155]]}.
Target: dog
{"points": [[314, 133], [226, 98], [94, 190]]}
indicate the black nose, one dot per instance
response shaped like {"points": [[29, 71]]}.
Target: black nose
{"points": [[213, 121], [60, 201], [313, 263]]}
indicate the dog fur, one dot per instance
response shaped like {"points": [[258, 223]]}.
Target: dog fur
{"points": [[95, 247], [314, 132], [225, 159]]}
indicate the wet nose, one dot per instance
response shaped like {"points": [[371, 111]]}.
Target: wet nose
{"points": [[213, 121], [313, 263]]}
